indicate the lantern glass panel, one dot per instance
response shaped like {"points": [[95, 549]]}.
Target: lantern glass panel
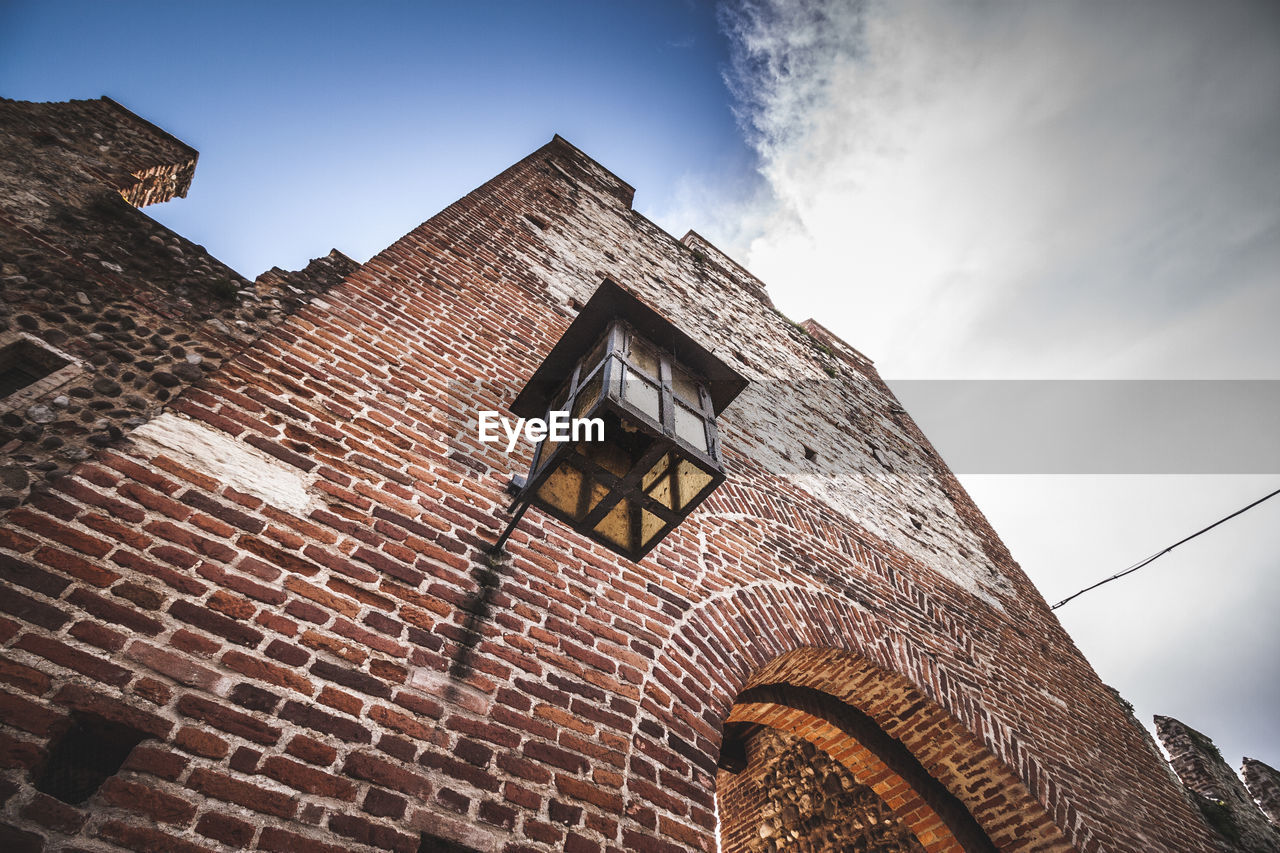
{"points": [[588, 395], [595, 355], [616, 525], [642, 395], [690, 481], [685, 387], [643, 356], [690, 428], [562, 488]]}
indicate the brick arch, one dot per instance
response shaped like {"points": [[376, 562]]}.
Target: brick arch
{"points": [[777, 634], [939, 820]]}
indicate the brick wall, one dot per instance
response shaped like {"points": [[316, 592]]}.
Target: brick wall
{"points": [[273, 581]]}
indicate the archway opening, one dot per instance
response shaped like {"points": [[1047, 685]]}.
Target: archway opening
{"points": [[802, 771]]}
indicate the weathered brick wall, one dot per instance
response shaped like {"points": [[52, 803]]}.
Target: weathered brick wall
{"points": [[136, 311], [275, 579], [1263, 782], [1227, 805]]}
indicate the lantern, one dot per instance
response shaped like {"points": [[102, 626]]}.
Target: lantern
{"points": [[657, 393]]}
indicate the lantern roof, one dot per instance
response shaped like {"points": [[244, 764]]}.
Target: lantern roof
{"points": [[612, 302]]}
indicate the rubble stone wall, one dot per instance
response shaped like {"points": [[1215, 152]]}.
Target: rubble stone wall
{"points": [[795, 797], [135, 311]]}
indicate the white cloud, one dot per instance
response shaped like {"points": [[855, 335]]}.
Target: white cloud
{"points": [[997, 189]]}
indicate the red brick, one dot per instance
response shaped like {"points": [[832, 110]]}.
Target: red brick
{"points": [[289, 562], [313, 718], [181, 582], [223, 787], [152, 690], [368, 832], [91, 497], [219, 510], [81, 698], [31, 610], [23, 677], [308, 779], [73, 658], [288, 654], [382, 803], [43, 525], [78, 567], [215, 623], [54, 814], [262, 670], [229, 721], [98, 635], [18, 753], [325, 599], [32, 577], [372, 768], [344, 649], [158, 761], [179, 668], [119, 532], [229, 830], [200, 742], [134, 471], [146, 840], [312, 750], [157, 805], [191, 541], [275, 840], [344, 702], [113, 612], [193, 477]]}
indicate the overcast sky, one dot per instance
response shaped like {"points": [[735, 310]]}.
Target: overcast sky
{"points": [[962, 190]]}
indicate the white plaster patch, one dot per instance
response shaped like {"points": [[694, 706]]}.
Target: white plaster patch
{"points": [[243, 468]]}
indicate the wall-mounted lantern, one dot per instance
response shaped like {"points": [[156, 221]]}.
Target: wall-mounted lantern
{"points": [[658, 393]]}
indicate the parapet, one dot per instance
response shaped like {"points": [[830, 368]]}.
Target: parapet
{"points": [[1227, 805], [701, 246], [130, 154]]}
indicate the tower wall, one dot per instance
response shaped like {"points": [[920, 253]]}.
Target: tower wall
{"points": [[277, 584]]}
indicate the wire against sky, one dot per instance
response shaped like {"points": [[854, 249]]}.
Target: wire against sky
{"points": [[1159, 554]]}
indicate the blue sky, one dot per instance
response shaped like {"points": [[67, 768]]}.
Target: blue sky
{"points": [[959, 188], [344, 125]]}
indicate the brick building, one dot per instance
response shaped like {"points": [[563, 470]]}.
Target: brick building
{"points": [[249, 603]]}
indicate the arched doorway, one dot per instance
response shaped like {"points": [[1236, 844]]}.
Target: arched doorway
{"points": [[910, 777]]}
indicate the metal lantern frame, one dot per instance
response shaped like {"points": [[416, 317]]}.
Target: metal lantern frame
{"points": [[658, 392]]}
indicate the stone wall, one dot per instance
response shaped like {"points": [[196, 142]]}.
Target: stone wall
{"points": [[260, 597], [133, 312], [794, 797]]}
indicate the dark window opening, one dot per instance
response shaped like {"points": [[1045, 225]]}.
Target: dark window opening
{"points": [[88, 754], [435, 844], [24, 363], [538, 221], [809, 453]]}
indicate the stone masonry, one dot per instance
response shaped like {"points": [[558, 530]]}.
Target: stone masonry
{"points": [[234, 607], [134, 312]]}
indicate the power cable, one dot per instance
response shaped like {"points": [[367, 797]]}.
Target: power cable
{"points": [[1153, 557]]}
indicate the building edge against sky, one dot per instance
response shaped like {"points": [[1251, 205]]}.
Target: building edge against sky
{"points": [[247, 535]]}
